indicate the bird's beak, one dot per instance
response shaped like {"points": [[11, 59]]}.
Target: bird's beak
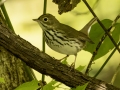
{"points": [[35, 20]]}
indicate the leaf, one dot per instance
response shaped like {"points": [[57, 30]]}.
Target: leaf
{"points": [[50, 86], [80, 87], [2, 80], [80, 68], [107, 45], [33, 85], [97, 32], [52, 82], [65, 61], [66, 5]]}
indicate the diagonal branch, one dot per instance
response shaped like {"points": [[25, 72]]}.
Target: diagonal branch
{"points": [[45, 64], [113, 41], [99, 44]]}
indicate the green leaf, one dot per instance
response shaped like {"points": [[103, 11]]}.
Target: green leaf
{"points": [[33, 85], [97, 32], [50, 86], [52, 82], [80, 87], [65, 61], [2, 80], [80, 68]]}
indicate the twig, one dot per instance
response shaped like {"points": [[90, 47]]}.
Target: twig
{"points": [[115, 74], [99, 44], [105, 62], [7, 17], [81, 13], [43, 38], [112, 51], [115, 44]]}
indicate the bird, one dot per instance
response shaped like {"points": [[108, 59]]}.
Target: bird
{"points": [[63, 38]]}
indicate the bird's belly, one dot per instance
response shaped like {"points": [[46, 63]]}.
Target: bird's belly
{"points": [[65, 48], [57, 42]]}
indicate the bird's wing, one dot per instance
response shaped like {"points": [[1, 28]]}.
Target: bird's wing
{"points": [[72, 33], [85, 37]]}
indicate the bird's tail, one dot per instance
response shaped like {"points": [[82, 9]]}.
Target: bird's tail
{"points": [[87, 26]]}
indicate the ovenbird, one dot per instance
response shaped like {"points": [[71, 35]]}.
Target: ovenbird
{"points": [[63, 38]]}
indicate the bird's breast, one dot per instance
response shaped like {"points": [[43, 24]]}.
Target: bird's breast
{"points": [[62, 44]]}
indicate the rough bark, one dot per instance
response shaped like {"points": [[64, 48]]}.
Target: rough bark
{"points": [[45, 64], [12, 70]]}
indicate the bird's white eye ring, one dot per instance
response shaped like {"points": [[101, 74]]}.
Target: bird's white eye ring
{"points": [[45, 19]]}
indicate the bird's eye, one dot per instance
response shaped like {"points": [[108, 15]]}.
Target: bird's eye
{"points": [[45, 19]]}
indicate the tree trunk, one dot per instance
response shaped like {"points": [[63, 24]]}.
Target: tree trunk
{"points": [[12, 70]]}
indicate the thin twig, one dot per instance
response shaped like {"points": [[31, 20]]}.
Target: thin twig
{"points": [[99, 44], [87, 12], [106, 61], [7, 17], [43, 38], [115, 74], [113, 41]]}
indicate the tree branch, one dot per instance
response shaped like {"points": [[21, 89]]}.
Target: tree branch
{"points": [[113, 41], [99, 44], [45, 64]]}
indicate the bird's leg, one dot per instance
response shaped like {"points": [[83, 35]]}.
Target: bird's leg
{"points": [[73, 64], [64, 57]]}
